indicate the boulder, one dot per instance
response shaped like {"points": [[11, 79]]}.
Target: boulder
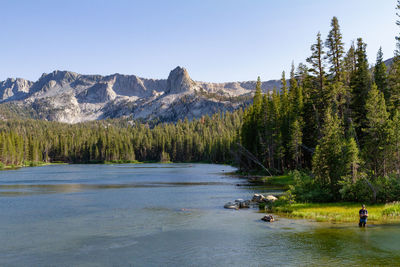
{"points": [[231, 205], [257, 198], [244, 204], [270, 198], [268, 218]]}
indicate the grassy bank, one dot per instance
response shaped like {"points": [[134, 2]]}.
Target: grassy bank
{"points": [[340, 212], [28, 164], [326, 212]]}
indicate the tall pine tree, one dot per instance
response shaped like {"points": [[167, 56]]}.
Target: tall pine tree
{"points": [[335, 52], [380, 75], [360, 85]]}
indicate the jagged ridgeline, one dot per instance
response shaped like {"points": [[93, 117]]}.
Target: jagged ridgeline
{"points": [[70, 97], [207, 139]]}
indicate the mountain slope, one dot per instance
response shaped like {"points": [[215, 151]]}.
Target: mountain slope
{"points": [[71, 97]]}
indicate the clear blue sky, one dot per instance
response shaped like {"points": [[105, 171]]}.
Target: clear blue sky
{"points": [[216, 40]]}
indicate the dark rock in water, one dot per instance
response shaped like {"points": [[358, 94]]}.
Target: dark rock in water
{"points": [[258, 198], [268, 218], [243, 204], [231, 205], [238, 204]]}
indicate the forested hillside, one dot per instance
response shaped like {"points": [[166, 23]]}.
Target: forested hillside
{"points": [[338, 118], [209, 139]]}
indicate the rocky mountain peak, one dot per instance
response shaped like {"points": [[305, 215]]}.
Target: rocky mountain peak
{"points": [[71, 97], [179, 81], [62, 76]]}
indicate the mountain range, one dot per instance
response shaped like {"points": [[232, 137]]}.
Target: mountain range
{"points": [[70, 97]]}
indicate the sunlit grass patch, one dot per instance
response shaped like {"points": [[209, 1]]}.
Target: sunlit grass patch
{"points": [[341, 212]]}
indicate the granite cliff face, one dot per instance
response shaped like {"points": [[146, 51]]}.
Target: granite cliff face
{"points": [[71, 97]]}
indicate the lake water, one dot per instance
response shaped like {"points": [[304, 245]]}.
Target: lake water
{"points": [[164, 215]]}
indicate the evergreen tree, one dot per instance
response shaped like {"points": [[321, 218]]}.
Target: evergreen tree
{"points": [[296, 142], [395, 142], [328, 163], [295, 95], [397, 51], [380, 75], [349, 64], [314, 94], [377, 135], [360, 85], [250, 134], [394, 85], [316, 60], [335, 50], [352, 159], [394, 73], [284, 93], [285, 121]]}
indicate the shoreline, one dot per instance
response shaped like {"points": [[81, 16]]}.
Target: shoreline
{"points": [[334, 212], [41, 164], [331, 212]]}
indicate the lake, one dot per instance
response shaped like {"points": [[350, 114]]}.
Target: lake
{"points": [[164, 215]]}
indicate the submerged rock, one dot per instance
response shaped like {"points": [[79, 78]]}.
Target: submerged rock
{"points": [[238, 204], [231, 205], [244, 204], [268, 218]]}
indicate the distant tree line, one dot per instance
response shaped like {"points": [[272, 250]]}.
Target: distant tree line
{"points": [[208, 139]]}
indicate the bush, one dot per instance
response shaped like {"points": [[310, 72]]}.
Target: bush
{"points": [[356, 192], [392, 209], [2, 166], [387, 189], [306, 189]]}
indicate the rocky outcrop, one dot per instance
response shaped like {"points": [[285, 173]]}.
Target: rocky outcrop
{"points": [[14, 89], [71, 97], [98, 93], [179, 81]]}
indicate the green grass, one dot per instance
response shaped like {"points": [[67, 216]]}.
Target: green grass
{"points": [[282, 181], [28, 164], [341, 212]]}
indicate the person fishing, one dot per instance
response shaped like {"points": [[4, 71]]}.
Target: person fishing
{"points": [[363, 216]]}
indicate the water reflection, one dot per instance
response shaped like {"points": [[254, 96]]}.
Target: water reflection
{"points": [[34, 189], [349, 245], [116, 215]]}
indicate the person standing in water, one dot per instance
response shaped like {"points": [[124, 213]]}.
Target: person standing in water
{"points": [[363, 216]]}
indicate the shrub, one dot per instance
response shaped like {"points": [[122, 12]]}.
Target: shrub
{"points": [[358, 191], [306, 189], [387, 189], [392, 209]]}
